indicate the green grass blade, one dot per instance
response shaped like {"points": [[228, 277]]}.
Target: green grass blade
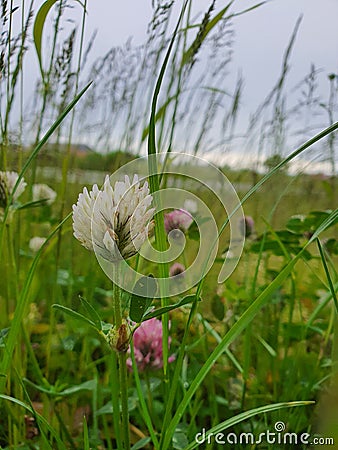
{"points": [[218, 339], [145, 413], [285, 161], [159, 115], [327, 273], [85, 386], [321, 305], [154, 185], [38, 29], [141, 443], [247, 10], [85, 434]]}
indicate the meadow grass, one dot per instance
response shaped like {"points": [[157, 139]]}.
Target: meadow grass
{"points": [[249, 352]]}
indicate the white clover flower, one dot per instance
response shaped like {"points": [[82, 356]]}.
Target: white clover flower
{"points": [[43, 192], [113, 222], [7, 182], [36, 243]]}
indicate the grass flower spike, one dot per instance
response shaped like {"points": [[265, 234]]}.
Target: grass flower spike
{"points": [[115, 221]]}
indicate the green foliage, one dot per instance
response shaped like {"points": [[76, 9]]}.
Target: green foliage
{"points": [[108, 162], [165, 309], [242, 353], [77, 316], [273, 161], [142, 297]]}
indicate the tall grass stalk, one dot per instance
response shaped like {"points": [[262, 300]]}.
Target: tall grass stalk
{"points": [[9, 70], [154, 184], [66, 160]]}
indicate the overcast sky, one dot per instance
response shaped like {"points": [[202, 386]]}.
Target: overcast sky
{"points": [[261, 36]]}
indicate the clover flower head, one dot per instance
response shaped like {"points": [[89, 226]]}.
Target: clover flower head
{"points": [[8, 180], [247, 226], [36, 243], [43, 192], [179, 219], [114, 221], [148, 346], [176, 270]]}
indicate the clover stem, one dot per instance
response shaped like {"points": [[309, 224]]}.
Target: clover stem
{"points": [[122, 365], [122, 359], [114, 385]]}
